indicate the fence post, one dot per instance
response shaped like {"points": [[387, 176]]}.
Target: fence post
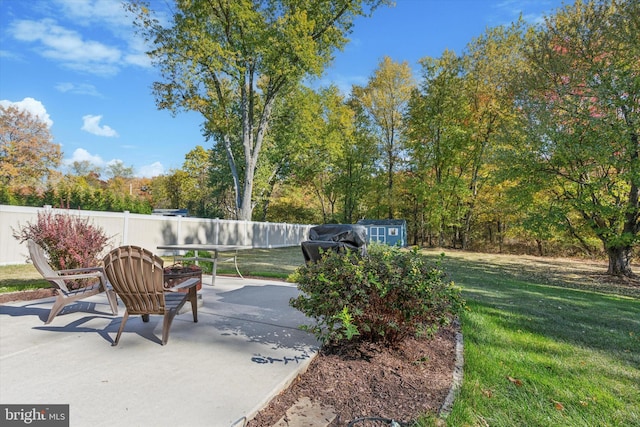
{"points": [[268, 234], [179, 231], [125, 228]]}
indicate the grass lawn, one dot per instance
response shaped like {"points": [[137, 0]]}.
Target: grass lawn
{"points": [[276, 262], [539, 351], [20, 277], [546, 342]]}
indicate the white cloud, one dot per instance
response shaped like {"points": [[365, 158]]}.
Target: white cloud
{"points": [[532, 11], [116, 19], [89, 12], [91, 36], [137, 54], [81, 155], [92, 125], [31, 105], [8, 54], [67, 46], [140, 59], [149, 171], [78, 89]]}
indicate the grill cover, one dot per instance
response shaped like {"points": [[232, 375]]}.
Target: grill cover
{"points": [[335, 237]]}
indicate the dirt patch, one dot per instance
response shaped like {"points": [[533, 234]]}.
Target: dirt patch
{"points": [[27, 295], [370, 380], [565, 272]]}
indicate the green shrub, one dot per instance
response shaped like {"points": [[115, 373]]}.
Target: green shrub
{"points": [[206, 266], [386, 296], [68, 240]]}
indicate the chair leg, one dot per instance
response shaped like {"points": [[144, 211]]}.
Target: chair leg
{"points": [[166, 325], [113, 301], [193, 296], [57, 306], [124, 320]]}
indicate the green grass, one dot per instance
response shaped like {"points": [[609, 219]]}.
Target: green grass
{"points": [[273, 263], [540, 354], [20, 277]]}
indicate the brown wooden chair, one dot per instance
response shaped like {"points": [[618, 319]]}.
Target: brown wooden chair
{"points": [[136, 274], [59, 279]]}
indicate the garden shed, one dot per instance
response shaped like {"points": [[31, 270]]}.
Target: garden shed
{"points": [[392, 232], [171, 212]]}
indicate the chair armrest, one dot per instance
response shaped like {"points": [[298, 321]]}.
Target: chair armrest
{"points": [[189, 283], [75, 276], [82, 270]]}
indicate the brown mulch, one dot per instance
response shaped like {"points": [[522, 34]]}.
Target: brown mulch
{"points": [[371, 380], [27, 295]]}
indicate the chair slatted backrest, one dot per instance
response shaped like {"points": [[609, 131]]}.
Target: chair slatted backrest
{"points": [[41, 263], [136, 274]]}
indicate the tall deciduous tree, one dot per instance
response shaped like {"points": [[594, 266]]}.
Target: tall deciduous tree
{"points": [[117, 169], [294, 131], [437, 139], [357, 166], [197, 165], [28, 155], [231, 59], [491, 61], [314, 140], [386, 98], [581, 99]]}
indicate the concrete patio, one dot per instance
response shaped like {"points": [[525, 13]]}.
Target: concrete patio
{"points": [[245, 348]]}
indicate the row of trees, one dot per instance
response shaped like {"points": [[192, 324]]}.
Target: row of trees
{"points": [[530, 130], [529, 135]]}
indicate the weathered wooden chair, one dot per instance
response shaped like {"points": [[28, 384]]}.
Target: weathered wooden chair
{"points": [[59, 279], [136, 274]]}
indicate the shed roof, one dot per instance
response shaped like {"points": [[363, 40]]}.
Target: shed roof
{"points": [[397, 222]]}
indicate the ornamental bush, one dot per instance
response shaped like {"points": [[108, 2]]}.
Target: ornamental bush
{"points": [[384, 297], [68, 240]]}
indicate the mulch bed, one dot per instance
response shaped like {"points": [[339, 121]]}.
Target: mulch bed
{"points": [[371, 380], [27, 295]]}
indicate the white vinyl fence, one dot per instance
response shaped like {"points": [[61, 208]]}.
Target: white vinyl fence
{"points": [[150, 231]]}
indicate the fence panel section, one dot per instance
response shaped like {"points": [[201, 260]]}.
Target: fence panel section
{"points": [[150, 231]]}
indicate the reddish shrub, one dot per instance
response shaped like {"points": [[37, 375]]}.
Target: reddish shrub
{"points": [[69, 240]]}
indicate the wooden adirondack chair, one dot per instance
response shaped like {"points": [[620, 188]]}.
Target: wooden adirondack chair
{"points": [[58, 279], [136, 274]]}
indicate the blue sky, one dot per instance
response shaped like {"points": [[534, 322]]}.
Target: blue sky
{"points": [[78, 65]]}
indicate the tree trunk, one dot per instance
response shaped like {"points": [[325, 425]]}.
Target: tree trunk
{"points": [[620, 261], [245, 211]]}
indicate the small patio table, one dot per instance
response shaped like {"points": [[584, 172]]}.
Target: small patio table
{"points": [[214, 251]]}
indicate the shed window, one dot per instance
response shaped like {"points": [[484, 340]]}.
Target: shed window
{"points": [[376, 234]]}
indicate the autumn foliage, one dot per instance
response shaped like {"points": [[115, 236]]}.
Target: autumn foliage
{"points": [[69, 240], [28, 154]]}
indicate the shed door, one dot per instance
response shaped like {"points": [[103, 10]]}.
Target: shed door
{"points": [[377, 234]]}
